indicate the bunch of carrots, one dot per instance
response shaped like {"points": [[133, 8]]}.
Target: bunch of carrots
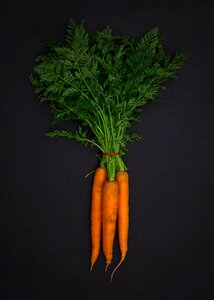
{"points": [[110, 203], [102, 81]]}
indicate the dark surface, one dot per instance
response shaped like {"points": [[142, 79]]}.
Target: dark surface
{"points": [[45, 198]]}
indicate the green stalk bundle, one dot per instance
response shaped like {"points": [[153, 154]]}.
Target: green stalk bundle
{"points": [[103, 81]]}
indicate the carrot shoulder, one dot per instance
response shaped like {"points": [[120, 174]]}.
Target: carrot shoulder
{"points": [[99, 178], [109, 217], [123, 215]]}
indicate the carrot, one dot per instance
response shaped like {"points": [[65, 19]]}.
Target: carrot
{"points": [[103, 121], [99, 178], [109, 217], [123, 215]]}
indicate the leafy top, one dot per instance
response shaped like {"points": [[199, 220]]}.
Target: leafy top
{"points": [[103, 80]]}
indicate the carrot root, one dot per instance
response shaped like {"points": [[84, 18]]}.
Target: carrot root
{"points": [[107, 265], [99, 179], [109, 216], [123, 216], [117, 266]]}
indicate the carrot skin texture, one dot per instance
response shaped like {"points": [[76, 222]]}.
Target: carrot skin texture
{"points": [[123, 211], [123, 215], [96, 204], [109, 217]]}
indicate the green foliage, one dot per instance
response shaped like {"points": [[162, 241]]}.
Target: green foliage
{"points": [[102, 80]]}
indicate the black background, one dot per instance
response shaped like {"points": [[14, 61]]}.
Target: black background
{"points": [[45, 197]]}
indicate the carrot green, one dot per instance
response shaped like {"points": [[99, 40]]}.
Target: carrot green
{"points": [[102, 80]]}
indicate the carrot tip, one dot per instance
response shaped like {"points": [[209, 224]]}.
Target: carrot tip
{"points": [[117, 266], [107, 266]]}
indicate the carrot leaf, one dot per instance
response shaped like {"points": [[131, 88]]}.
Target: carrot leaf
{"points": [[103, 81]]}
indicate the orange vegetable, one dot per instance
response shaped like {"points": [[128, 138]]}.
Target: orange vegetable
{"points": [[123, 215], [99, 178], [109, 217]]}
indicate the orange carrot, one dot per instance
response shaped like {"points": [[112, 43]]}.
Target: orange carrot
{"points": [[99, 178], [123, 215], [109, 216]]}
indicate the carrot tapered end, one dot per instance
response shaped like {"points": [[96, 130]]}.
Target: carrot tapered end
{"points": [[107, 265], [117, 266]]}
